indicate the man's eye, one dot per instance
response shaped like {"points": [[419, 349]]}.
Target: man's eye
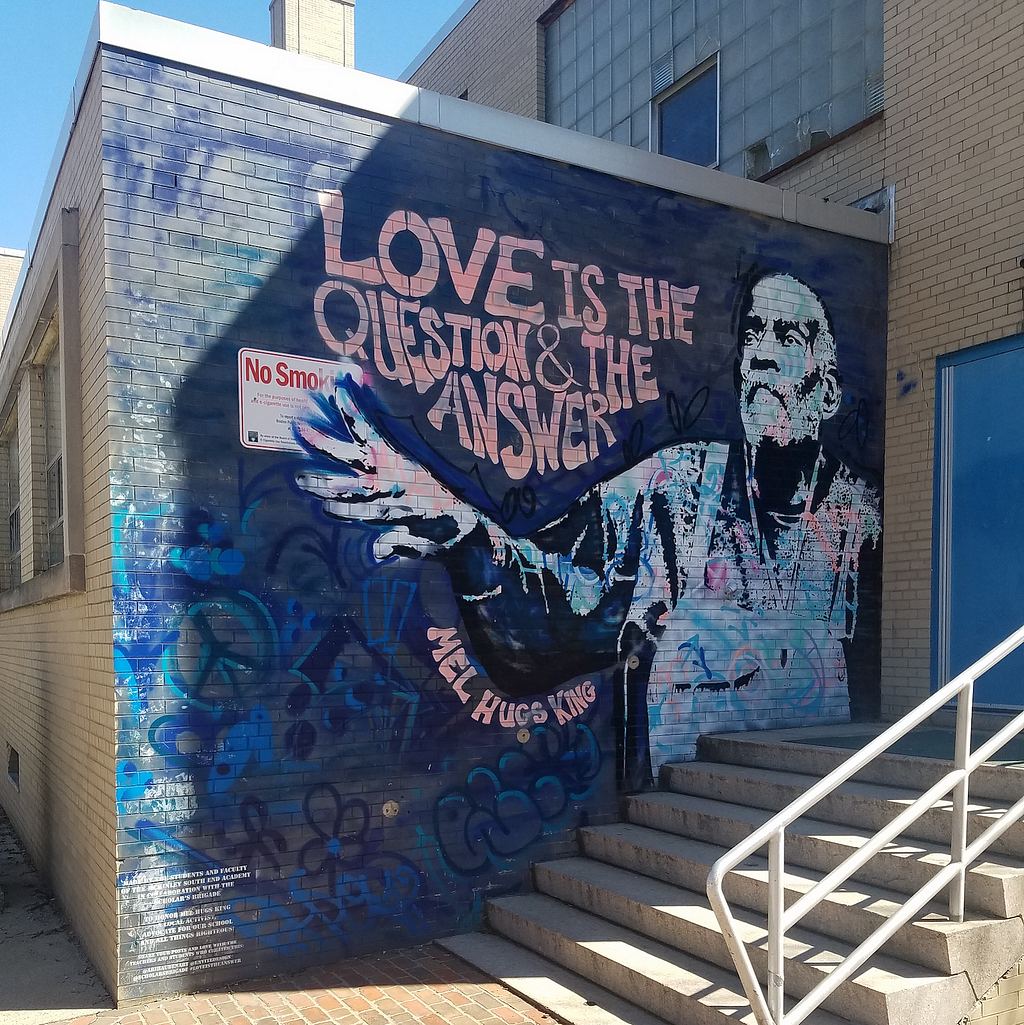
{"points": [[751, 336], [794, 338]]}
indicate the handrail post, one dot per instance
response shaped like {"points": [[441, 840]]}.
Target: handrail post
{"points": [[772, 833], [776, 909], [958, 840]]}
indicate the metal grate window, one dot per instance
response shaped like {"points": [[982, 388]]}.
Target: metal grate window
{"points": [[662, 74], [14, 767], [875, 87]]}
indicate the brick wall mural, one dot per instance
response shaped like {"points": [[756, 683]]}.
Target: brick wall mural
{"points": [[454, 490]]}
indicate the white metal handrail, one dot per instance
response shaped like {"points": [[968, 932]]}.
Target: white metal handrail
{"points": [[770, 1011]]}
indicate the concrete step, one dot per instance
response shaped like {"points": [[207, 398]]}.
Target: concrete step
{"points": [[869, 806], [624, 923], [884, 991], [995, 885], [980, 946], [1000, 783], [670, 857], [678, 987], [564, 995]]}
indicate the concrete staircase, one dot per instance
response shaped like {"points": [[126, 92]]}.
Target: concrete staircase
{"points": [[624, 932]]}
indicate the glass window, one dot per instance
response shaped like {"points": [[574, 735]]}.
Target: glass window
{"points": [[688, 120], [10, 483], [53, 548]]}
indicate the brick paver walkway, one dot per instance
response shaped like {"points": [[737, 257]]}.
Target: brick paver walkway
{"points": [[424, 984]]}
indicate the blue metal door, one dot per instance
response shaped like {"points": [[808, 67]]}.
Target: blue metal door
{"points": [[980, 494]]}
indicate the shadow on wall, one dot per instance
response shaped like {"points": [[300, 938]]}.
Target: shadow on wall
{"points": [[508, 480]]}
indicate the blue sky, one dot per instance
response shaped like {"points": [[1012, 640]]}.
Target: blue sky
{"points": [[43, 42]]}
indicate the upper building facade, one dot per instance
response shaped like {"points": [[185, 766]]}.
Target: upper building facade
{"points": [[744, 86], [10, 268]]}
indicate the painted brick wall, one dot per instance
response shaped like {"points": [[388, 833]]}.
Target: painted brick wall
{"points": [[56, 676], [367, 674], [495, 55], [946, 147], [270, 704], [284, 798]]}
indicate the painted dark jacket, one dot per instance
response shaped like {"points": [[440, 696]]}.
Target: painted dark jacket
{"points": [[679, 543]]}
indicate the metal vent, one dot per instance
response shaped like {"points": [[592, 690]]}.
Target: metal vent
{"points": [[876, 93], [881, 202], [662, 73]]}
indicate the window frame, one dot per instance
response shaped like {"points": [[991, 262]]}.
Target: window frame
{"points": [[47, 323], [680, 85], [10, 563], [53, 497]]}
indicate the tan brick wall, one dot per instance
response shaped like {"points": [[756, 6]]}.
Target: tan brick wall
{"points": [[10, 268], [846, 171], [950, 143], [56, 674], [496, 54], [955, 89], [1003, 1004], [318, 28]]}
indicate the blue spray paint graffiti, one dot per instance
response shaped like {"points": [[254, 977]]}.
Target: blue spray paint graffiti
{"points": [[572, 496], [499, 813]]}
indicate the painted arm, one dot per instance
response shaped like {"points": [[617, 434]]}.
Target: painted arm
{"points": [[370, 482], [540, 609]]}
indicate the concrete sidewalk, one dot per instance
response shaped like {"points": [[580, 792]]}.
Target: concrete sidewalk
{"points": [[45, 978]]}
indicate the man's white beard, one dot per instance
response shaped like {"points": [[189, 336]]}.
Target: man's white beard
{"points": [[778, 413]]}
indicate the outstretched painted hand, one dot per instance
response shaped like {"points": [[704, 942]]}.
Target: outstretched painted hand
{"points": [[377, 485]]}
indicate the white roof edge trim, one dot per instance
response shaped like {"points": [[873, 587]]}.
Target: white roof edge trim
{"points": [[436, 39], [260, 64], [297, 73], [18, 253]]}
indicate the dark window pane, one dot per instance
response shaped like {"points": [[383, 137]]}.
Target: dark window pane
{"points": [[10, 571], [52, 406], [689, 121], [53, 553], [54, 492]]}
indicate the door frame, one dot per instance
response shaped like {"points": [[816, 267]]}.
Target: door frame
{"points": [[942, 502]]}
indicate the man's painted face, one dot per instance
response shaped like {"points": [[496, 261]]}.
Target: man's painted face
{"points": [[788, 381]]}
